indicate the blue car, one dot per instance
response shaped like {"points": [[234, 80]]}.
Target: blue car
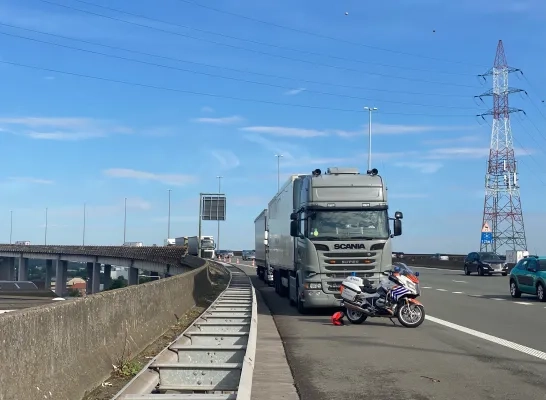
{"points": [[529, 277]]}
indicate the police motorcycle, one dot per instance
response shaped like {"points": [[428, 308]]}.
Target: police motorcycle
{"points": [[394, 297]]}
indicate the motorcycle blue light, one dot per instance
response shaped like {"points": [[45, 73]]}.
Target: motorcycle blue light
{"points": [[417, 273], [353, 273], [396, 269]]}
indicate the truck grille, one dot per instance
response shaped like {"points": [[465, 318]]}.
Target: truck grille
{"points": [[338, 265]]}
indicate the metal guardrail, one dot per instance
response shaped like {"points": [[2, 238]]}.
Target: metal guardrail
{"points": [[211, 360]]}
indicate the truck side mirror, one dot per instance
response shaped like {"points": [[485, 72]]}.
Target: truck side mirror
{"points": [[294, 216], [294, 228], [397, 227], [398, 215]]}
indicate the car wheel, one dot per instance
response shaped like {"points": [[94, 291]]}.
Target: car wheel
{"points": [[480, 271], [540, 292], [514, 291], [466, 271], [504, 273]]}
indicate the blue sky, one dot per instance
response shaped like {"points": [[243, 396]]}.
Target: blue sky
{"points": [[68, 139]]}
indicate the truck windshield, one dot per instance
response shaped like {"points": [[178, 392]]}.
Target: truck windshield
{"points": [[207, 244], [342, 225]]}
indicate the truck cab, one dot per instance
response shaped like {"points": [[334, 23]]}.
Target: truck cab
{"points": [[340, 225]]}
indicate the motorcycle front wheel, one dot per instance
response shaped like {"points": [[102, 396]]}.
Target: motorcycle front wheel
{"points": [[410, 315], [355, 317]]}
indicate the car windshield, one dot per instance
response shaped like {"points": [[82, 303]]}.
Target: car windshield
{"points": [[340, 225], [489, 256]]}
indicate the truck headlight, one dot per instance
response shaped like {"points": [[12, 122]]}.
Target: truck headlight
{"points": [[312, 285]]}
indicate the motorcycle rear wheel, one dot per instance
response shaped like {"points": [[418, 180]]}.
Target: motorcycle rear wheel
{"points": [[410, 315], [355, 317]]}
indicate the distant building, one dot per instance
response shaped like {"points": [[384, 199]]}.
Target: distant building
{"points": [[77, 284]]}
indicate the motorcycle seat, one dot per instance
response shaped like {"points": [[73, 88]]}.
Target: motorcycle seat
{"points": [[369, 289]]}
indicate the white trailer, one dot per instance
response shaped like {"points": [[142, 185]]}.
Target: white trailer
{"points": [[207, 246], [170, 242], [261, 247], [513, 256], [22, 243]]}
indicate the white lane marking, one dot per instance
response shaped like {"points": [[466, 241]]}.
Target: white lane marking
{"points": [[5, 311], [475, 295], [506, 343], [439, 269], [523, 303], [460, 281], [441, 290], [457, 292], [428, 287], [494, 298]]}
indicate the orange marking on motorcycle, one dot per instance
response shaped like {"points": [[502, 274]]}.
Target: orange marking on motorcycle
{"points": [[415, 301]]}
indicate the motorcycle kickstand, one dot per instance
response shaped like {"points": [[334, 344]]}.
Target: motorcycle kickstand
{"points": [[394, 323]]}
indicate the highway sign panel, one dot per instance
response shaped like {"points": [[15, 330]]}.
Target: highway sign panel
{"points": [[486, 228], [213, 208], [487, 237]]}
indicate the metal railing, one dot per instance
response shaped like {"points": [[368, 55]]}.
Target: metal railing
{"points": [[213, 359]]}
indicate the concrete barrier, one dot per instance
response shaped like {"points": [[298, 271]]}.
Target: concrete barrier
{"points": [[425, 260], [63, 350]]}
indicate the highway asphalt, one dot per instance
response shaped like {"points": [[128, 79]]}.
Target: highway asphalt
{"points": [[462, 351]]}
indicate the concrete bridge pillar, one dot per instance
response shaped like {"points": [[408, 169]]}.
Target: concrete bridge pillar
{"points": [[23, 269], [60, 284], [10, 264], [89, 281], [4, 270], [48, 274], [95, 282], [107, 276], [133, 276]]}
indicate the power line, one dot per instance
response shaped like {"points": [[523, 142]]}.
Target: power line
{"points": [[230, 78], [243, 48], [164, 88], [272, 45], [326, 36], [235, 69]]}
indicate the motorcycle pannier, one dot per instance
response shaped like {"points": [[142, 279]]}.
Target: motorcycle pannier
{"points": [[349, 290]]}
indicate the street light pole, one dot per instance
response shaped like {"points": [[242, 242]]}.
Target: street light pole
{"points": [[278, 170], [45, 234], [83, 234], [370, 110], [10, 225], [125, 221], [217, 211], [169, 217]]}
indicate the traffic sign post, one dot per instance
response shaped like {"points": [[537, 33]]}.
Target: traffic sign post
{"points": [[487, 234], [212, 207]]}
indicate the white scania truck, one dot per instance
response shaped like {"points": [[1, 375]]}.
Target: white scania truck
{"points": [[320, 228]]}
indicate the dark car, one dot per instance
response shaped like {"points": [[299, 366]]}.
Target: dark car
{"points": [[485, 263]]}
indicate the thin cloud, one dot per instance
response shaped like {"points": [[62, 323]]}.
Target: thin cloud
{"points": [[447, 141], [423, 167], [226, 158], [167, 179], [294, 92], [26, 179], [235, 119], [468, 152], [377, 129], [59, 128], [207, 109], [398, 195], [285, 131]]}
